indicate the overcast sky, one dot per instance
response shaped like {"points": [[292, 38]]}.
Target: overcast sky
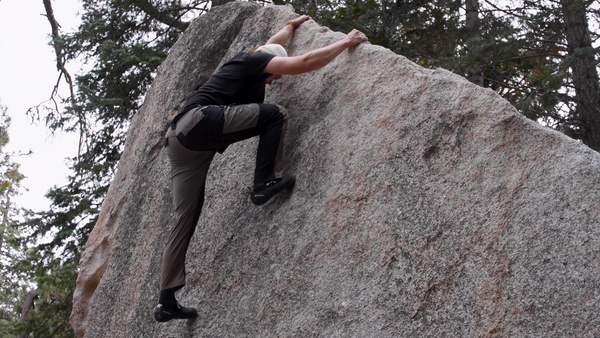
{"points": [[27, 77]]}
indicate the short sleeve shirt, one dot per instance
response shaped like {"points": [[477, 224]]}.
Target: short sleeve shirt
{"points": [[239, 81]]}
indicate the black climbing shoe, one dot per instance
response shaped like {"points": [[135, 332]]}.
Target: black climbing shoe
{"points": [[164, 314], [264, 193]]}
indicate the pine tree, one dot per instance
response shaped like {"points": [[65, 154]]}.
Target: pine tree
{"points": [[582, 59], [13, 281]]}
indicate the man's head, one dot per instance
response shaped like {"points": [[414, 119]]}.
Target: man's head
{"points": [[273, 49]]}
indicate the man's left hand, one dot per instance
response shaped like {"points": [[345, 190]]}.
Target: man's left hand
{"points": [[299, 20]]}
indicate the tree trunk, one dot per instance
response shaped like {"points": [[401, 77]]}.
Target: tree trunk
{"points": [[28, 304], [220, 2], [475, 71], [4, 221], [585, 74]]}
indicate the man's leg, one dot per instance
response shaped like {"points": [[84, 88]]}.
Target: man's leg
{"points": [[269, 155], [270, 125], [241, 122], [267, 121], [189, 170]]}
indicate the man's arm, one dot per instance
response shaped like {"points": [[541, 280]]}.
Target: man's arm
{"points": [[315, 59], [282, 37]]}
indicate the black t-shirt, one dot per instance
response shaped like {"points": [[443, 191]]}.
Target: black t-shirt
{"points": [[240, 81]]}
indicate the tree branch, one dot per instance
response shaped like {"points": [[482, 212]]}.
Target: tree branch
{"points": [[28, 304], [510, 12], [60, 66], [161, 16], [60, 55]]}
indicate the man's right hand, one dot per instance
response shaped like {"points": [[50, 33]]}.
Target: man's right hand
{"points": [[355, 37]]}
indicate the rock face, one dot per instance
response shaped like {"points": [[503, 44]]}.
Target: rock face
{"points": [[425, 206]]}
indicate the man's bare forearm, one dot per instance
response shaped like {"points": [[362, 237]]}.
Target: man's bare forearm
{"points": [[282, 37], [319, 58], [284, 34]]}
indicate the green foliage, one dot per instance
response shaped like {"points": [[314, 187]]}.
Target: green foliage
{"points": [[10, 177], [416, 29], [529, 72], [13, 281]]}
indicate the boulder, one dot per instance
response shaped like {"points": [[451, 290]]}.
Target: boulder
{"points": [[425, 206]]}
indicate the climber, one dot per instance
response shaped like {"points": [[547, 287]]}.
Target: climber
{"points": [[229, 108]]}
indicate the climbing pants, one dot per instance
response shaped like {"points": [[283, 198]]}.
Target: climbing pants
{"points": [[191, 144]]}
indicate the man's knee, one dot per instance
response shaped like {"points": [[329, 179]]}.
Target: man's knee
{"points": [[272, 113]]}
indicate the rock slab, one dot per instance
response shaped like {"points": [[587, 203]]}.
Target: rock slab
{"points": [[425, 206]]}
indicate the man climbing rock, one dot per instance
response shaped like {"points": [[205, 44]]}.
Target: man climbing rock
{"points": [[229, 108]]}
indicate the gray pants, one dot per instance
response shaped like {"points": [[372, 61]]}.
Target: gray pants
{"points": [[191, 144]]}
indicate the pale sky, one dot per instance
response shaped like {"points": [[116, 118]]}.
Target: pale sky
{"points": [[27, 77]]}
